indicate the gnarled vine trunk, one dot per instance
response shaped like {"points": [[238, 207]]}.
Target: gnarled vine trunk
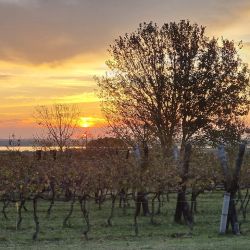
{"points": [[36, 220], [85, 213]]}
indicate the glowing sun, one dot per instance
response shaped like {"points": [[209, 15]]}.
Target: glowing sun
{"points": [[86, 122]]}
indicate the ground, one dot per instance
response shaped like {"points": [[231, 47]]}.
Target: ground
{"points": [[164, 235]]}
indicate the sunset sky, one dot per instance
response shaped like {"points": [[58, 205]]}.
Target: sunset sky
{"points": [[51, 49]]}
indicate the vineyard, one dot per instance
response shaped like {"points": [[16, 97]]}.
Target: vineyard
{"points": [[110, 198]]}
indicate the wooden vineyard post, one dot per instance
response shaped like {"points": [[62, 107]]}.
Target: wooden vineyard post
{"points": [[229, 213], [225, 206], [224, 213]]}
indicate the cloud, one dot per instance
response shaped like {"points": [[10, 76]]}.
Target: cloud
{"points": [[5, 76], [246, 45], [15, 1], [48, 95], [52, 31], [50, 49], [77, 78]]}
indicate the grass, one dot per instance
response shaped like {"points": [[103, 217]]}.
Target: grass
{"points": [[164, 235]]}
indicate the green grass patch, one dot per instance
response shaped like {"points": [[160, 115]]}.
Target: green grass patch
{"points": [[164, 234]]}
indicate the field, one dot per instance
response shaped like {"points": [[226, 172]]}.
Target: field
{"points": [[163, 235]]}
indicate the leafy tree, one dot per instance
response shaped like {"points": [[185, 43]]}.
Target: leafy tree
{"points": [[182, 84]]}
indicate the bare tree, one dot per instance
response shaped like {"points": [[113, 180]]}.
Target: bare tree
{"points": [[58, 122]]}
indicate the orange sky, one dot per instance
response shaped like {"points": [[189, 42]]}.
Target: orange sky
{"points": [[50, 50]]}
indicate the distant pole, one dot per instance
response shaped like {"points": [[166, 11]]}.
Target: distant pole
{"points": [[84, 140]]}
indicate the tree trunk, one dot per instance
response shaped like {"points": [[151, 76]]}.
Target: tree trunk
{"points": [[194, 202], [50, 206], [142, 201], [85, 216], [232, 217], [5, 205], [159, 203], [122, 196], [52, 201], [123, 202], [65, 222], [232, 185], [25, 208], [243, 202], [153, 209], [113, 197], [233, 188], [182, 206], [19, 213]]}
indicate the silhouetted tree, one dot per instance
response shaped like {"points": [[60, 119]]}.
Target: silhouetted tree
{"points": [[181, 83]]}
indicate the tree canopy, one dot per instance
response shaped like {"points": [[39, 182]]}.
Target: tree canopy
{"points": [[178, 82]]}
